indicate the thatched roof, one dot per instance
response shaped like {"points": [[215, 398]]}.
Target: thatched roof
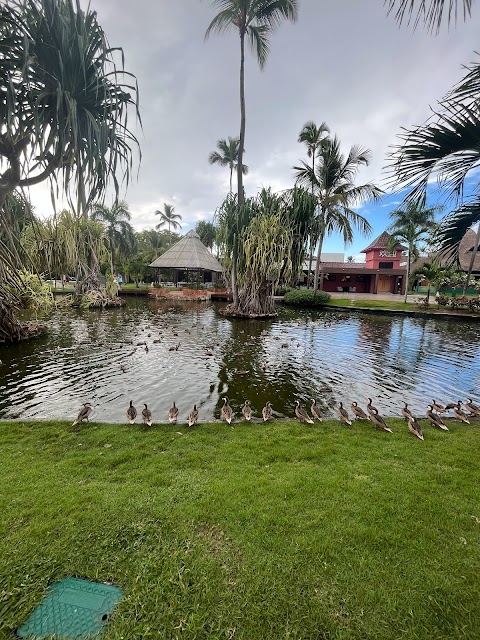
{"points": [[188, 253]]}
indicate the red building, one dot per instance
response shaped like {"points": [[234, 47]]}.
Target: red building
{"points": [[380, 273]]}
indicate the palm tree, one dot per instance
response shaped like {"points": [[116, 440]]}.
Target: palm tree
{"points": [[207, 232], [432, 15], [227, 156], [118, 230], [435, 274], [446, 147], [414, 226], [254, 20], [333, 186], [167, 217], [63, 117], [312, 136]]}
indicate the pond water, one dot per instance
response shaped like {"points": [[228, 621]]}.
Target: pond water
{"points": [[94, 356]]}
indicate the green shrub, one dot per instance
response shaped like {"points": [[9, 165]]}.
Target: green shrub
{"points": [[306, 298], [281, 291]]}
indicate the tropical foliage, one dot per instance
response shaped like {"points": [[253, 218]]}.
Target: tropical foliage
{"points": [[305, 298], [412, 225], [332, 182], [119, 234], [270, 232], [435, 275], [227, 156], [63, 115], [207, 231], [431, 12], [168, 217]]}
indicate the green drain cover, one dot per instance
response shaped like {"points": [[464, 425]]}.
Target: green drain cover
{"points": [[72, 608]]}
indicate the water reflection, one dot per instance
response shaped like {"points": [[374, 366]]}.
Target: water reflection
{"points": [[100, 356]]}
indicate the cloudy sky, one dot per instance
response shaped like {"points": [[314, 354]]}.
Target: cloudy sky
{"points": [[343, 62]]}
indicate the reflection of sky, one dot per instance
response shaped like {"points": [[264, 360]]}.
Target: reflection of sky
{"points": [[330, 356]]}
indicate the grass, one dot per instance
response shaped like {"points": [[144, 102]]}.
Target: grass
{"points": [[393, 305], [252, 532]]}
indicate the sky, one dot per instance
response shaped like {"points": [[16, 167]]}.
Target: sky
{"points": [[344, 62]]}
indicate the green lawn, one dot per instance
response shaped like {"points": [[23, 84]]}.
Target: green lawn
{"points": [[393, 305], [252, 532]]}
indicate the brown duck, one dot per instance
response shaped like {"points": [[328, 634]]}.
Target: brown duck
{"points": [[358, 412], [435, 419], [301, 414], [343, 414], [379, 421]]}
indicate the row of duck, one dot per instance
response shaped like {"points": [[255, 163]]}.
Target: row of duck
{"points": [[227, 414]]}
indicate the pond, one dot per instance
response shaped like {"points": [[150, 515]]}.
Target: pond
{"points": [[99, 356]]}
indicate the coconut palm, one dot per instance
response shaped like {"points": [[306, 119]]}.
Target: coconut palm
{"points": [[254, 20], [413, 225], [432, 13], [63, 117], [333, 184], [227, 156], [207, 232], [168, 217], [446, 147], [119, 232], [312, 136]]}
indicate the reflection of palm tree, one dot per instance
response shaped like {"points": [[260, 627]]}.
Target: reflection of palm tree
{"points": [[167, 217], [333, 185], [228, 156]]}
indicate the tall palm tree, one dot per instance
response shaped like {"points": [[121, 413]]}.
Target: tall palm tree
{"points": [[334, 187], [446, 146], [118, 230], [413, 225], [168, 217], [254, 20], [64, 116], [227, 156], [207, 232], [312, 136], [432, 13]]}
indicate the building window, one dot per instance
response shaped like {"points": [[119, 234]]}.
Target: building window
{"points": [[346, 278], [331, 277], [360, 278], [386, 265], [385, 254]]}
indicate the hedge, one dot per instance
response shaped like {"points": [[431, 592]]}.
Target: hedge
{"points": [[306, 298]]}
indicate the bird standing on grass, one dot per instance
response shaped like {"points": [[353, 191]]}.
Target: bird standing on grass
{"points": [[358, 412], [459, 414], [267, 412], [406, 413], [226, 412], [435, 419], [370, 407], [473, 408], [84, 413], [173, 414], [193, 416], [343, 414], [415, 428], [247, 411], [301, 414], [147, 416], [314, 411], [439, 408], [379, 421], [131, 413]]}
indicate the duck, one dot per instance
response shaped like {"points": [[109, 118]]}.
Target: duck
{"points": [[343, 414], [406, 413], [314, 411], [439, 408], [267, 412], [131, 413], [301, 414], [84, 413], [358, 412], [435, 419], [147, 416], [226, 412], [415, 428], [450, 405], [193, 416], [173, 414], [247, 410], [378, 420], [459, 414], [370, 407], [473, 408]]}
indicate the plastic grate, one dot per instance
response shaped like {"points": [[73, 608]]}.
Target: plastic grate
{"points": [[72, 609]]}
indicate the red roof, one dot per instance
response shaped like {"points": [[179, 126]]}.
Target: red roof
{"points": [[381, 243]]}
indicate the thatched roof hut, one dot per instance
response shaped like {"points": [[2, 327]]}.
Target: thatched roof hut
{"points": [[188, 254]]}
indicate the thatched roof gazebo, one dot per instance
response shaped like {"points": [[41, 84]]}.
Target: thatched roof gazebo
{"points": [[188, 254]]}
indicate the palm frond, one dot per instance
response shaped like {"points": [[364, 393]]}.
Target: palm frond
{"points": [[454, 226], [222, 21], [258, 39], [432, 13]]}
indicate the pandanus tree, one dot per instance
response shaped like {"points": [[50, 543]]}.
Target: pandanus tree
{"points": [[414, 226], [272, 230], [227, 156], [254, 21], [119, 234], [63, 114], [312, 136], [447, 148], [333, 186]]}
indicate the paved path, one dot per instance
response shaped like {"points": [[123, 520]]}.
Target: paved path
{"points": [[390, 297]]}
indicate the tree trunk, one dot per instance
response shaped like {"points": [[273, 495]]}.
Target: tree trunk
{"points": [[231, 175], [407, 277], [112, 257], [472, 261], [319, 253]]}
